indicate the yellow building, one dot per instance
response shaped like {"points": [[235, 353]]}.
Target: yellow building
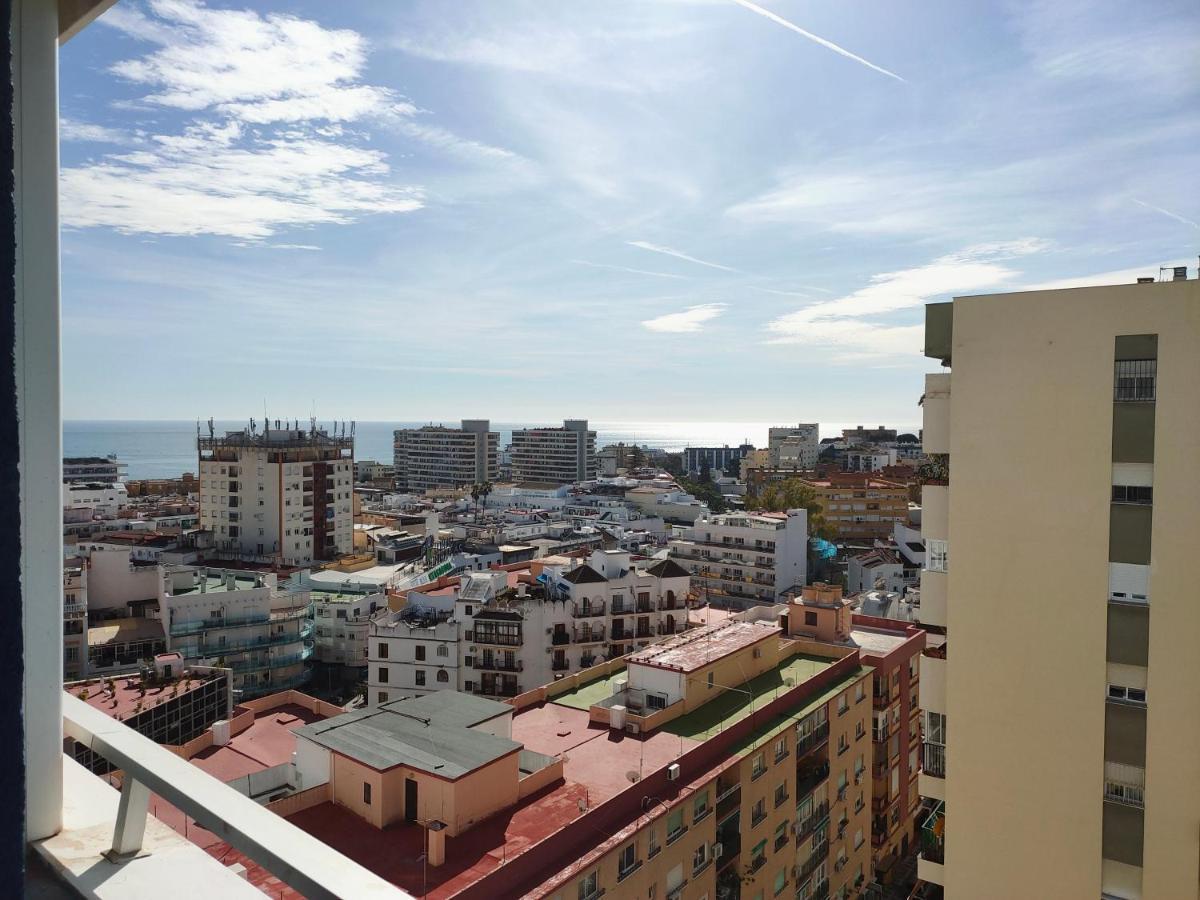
{"points": [[1061, 725]]}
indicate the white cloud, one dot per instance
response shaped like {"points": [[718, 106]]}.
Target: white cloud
{"points": [[690, 320], [850, 326], [829, 45], [70, 130], [1113, 276], [678, 254], [267, 148]]}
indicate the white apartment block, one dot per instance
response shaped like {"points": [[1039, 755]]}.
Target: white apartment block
{"points": [[869, 459], [239, 620], [509, 632], [794, 446], [412, 651], [104, 499], [341, 620], [75, 623], [280, 495], [742, 558], [439, 457], [555, 455]]}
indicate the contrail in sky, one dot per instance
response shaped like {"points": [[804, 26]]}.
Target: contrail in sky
{"points": [[829, 45]]}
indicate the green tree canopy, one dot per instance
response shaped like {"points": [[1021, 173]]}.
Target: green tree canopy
{"points": [[793, 493]]}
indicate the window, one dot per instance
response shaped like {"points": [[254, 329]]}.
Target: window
{"points": [[589, 885], [383, 649], [859, 692], [1129, 493], [699, 857], [383, 675], [1126, 694], [758, 855], [935, 728], [700, 807], [780, 881], [780, 749], [674, 824], [1134, 379], [758, 766], [781, 834], [843, 704], [656, 701], [843, 744], [652, 845], [442, 649], [420, 652], [936, 555], [858, 839], [626, 860], [419, 676], [381, 697], [758, 812], [781, 794], [367, 793], [443, 676], [810, 618]]}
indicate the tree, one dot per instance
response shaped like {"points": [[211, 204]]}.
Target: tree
{"points": [[637, 458], [706, 491], [475, 499], [793, 493]]}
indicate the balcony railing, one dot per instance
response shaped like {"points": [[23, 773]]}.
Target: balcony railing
{"points": [[298, 859], [813, 740], [215, 651], [593, 636], [934, 762], [587, 610], [816, 818], [499, 665], [559, 638]]}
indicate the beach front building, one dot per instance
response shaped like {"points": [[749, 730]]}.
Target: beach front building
{"points": [[740, 559], [554, 455], [278, 495], [241, 621], [436, 456]]}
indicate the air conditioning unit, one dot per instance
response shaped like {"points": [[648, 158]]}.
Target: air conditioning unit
{"points": [[632, 728], [673, 772], [718, 850]]}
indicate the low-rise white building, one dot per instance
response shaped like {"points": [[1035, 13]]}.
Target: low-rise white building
{"points": [[341, 620], [412, 651], [741, 558]]}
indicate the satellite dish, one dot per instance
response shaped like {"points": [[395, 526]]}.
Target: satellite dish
{"points": [[633, 775]]}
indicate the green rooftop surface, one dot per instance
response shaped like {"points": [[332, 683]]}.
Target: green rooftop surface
{"points": [[776, 722], [587, 695], [734, 705]]}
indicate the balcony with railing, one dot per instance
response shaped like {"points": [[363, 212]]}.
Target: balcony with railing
{"points": [[814, 740], [818, 817], [588, 610], [818, 855], [499, 664], [934, 760], [588, 636], [559, 638]]}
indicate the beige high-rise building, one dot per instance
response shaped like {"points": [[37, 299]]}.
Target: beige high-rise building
{"points": [[1061, 701], [435, 456], [554, 455]]}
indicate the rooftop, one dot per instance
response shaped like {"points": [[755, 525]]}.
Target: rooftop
{"points": [[214, 584], [134, 628], [431, 733], [130, 695], [876, 641], [269, 741], [698, 647]]}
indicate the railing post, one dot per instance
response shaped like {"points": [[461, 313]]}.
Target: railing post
{"points": [[131, 820]]}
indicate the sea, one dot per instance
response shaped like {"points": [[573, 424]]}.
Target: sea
{"points": [[166, 449]]}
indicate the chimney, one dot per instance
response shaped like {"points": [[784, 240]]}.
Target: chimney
{"points": [[1180, 273]]}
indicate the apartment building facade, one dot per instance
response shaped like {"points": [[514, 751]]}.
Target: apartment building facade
{"points": [[501, 632], [284, 495], [554, 455], [794, 446], [1100, 711], [744, 558], [341, 621], [75, 619], [859, 506], [242, 621], [718, 459], [435, 456]]}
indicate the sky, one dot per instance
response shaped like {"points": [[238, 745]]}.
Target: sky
{"points": [[661, 210]]}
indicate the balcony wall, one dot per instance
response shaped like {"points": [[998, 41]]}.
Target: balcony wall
{"points": [[933, 681], [933, 788], [935, 438], [928, 870], [933, 602], [935, 512]]}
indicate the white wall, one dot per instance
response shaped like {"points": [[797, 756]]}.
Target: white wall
{"points": [[657, 681], [113, 582], [311, 761]]}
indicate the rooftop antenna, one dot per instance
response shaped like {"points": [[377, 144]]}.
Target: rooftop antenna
{"points": [[210, 427]]}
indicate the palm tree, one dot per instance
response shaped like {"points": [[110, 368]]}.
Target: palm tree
{"points": [[475, 499], [485, 491]]}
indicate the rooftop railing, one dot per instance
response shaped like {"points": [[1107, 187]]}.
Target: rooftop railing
{"points": [[297, 858]]}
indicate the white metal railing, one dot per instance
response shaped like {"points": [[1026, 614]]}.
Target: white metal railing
{"points": [[295, 857], [1124, 784]]}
